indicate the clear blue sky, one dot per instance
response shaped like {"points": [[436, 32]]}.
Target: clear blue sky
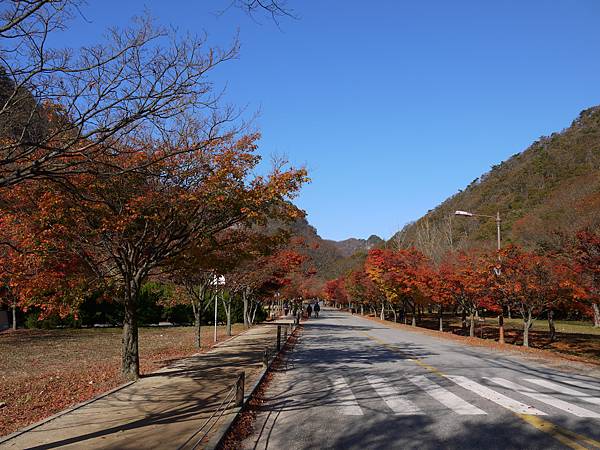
{"points": [[394, 105]]}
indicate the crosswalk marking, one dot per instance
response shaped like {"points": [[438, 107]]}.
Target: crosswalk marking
{"points": [[582, 384], [545, 398], [445, 397], [392, 397], [496, 397], [564, 390], [346, 400], [348, 405]]}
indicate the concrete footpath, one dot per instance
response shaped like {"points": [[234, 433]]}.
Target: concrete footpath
{"points": [[161, 410]]}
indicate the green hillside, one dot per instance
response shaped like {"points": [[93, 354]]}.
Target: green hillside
{"points": [[543, 194]]}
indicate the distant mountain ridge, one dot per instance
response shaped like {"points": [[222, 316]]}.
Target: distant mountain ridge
{"points": [[349, 247], [544, 194], [333, 258]]}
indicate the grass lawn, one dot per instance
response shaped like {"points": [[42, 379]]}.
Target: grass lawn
{"points": [[46, 371], [562, 326]]}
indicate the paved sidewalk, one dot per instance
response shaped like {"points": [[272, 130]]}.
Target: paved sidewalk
{"points": [[162, 410]]}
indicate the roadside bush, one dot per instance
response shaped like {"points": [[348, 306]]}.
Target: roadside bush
{"points": [[33, 321], [179, 314], [92, 311]]}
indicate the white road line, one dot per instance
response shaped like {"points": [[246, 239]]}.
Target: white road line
{"points": [[564, 390], [344, 398], [545, 398], [445, 397], [392, 397], [581, 384], [496, 397]]}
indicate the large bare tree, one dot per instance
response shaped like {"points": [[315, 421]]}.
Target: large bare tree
{"points": [[62, 108]]}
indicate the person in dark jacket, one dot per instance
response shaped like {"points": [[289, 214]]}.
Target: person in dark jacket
{"points": [[309, 311], [317, 308]]}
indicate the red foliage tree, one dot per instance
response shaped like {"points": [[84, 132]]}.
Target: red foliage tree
{"points": [[335, 291], [362, 290], [126, 227], [587, 266], [466, 279], [402, 275], [534, 284]]}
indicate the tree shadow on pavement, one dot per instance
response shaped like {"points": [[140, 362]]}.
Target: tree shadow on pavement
{"points": [[187, 391]]}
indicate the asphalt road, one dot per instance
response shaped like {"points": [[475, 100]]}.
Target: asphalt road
{"points": [[353, 383]]}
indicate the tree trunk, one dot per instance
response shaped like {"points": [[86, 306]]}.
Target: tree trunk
{"points": [[526, 326], [197, 325], [501, 329], [414, 316], [227, 308], [130, 365], [596, 314], [394, 312], [245, 312], [509, 315], [362, 310], [472, 325], [441, 313], [551, 327], [14, 316], [464, 319], [253, 310], [382, 315]]}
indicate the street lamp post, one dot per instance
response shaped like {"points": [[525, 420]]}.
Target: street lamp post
{"points": [[496, 217], [497, 271], [217, 281]]}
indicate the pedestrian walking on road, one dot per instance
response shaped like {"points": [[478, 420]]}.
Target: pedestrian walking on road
{"points": [[286, 309], [317, 309], [309, 311]]}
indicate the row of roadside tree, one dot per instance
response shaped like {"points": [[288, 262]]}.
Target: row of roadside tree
{"points": [[405, 282]]}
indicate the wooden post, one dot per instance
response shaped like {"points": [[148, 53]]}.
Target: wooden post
{"points": [[239, 389]]}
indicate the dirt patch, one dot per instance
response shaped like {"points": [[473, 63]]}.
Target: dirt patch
{"points": [[45, 372]]}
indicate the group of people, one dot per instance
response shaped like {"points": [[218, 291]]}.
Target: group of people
{"points": [[309, 309]]}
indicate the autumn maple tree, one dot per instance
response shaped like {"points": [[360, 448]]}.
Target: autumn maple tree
{"points": [[362, 290], [335, 291], [586, 254], [126, 227], [533, 283], [401, 275], [465, 278], [37, 270]]}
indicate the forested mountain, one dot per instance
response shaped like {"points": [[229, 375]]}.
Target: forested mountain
{"points": [[333, 258], [543, 194]]}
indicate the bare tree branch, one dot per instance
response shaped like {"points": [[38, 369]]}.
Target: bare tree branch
{"points": [[61, 108]]}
